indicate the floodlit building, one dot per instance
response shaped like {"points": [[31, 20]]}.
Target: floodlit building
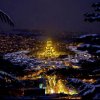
{"points": [[49, 51]]}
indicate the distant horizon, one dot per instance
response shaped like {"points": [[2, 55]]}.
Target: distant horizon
{"points": [[44, 30], [54, 35]]}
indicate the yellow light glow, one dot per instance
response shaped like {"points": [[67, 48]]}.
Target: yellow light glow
{"points": [[76, 67], [55, 85], [49, 51]]}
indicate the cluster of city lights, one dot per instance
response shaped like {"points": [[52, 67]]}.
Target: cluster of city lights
{"points": [[55, 85], [49, 51]]}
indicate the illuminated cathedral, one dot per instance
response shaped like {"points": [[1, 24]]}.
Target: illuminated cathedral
{"points": [[49, 51]]}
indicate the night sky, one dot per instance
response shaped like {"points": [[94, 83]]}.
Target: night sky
{"points": [[51, 15]]}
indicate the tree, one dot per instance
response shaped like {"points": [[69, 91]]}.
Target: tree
{"points": [[95, 16], [5, 18]]}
